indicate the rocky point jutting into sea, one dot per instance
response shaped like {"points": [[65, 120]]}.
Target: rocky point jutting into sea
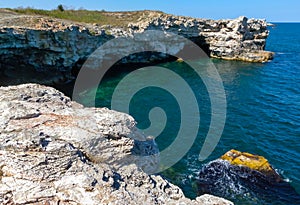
{"points": [[56, 151]]}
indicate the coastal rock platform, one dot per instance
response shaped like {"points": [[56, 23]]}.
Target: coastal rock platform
{"points": [[55, 151]]}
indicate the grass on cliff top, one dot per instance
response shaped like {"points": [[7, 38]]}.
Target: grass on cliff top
{"points": [[87, 16]]}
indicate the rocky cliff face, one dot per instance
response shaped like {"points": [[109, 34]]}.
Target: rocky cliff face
{"points": [[237, 39], [55, 151], [50, 50]]}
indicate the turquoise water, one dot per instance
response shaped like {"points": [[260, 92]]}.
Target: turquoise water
{"points": [[263, 113]]}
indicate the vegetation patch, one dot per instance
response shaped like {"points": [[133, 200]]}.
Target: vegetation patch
{"points": [[86, 16]]}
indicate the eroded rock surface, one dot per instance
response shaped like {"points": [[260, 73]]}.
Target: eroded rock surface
{"points": [[49, 50], [254, 162], [235, 39], [242, 176], [55, 151]]}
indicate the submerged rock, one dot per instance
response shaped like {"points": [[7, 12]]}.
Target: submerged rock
{"points": [[55, 151], [239, 176]]}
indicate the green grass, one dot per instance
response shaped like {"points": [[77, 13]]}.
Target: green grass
{"points": [[86, 16]]}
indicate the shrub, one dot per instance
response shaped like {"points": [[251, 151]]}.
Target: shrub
{"points": [[60, 7]]}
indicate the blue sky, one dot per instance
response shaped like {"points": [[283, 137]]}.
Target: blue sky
{"points": [[273, 11]]}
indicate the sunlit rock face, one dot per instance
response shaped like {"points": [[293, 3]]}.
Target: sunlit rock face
{"points": [[237, 39], [41, 49], [254, 162], [55, 151], [244, 176]]}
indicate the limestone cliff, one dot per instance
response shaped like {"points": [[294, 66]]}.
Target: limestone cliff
{"points": [[48, 49], [236, 39], [55, 151]]}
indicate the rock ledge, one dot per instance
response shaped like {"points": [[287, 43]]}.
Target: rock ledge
{"points": [[55, 151]]}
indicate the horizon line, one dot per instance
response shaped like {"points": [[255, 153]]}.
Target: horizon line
{"points": [[284, 21]]}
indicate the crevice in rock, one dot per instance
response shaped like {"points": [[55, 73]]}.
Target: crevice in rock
{"points": [[26, 117]]}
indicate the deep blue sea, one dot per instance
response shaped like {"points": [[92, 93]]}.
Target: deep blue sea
{"points": [[263, 114]]}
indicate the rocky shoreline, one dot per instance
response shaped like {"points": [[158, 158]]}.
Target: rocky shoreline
{"points": [[51, 50], [55, 151]]}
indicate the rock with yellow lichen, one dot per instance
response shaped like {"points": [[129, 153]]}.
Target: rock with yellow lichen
{"points": [[254, 162], [241, 176]]}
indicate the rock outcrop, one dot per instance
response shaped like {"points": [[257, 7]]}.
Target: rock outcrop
{"points": [[242, 176], [44, 49], [238, 39], [55, 151], [254, 162]]}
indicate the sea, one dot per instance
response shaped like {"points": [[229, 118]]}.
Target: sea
{"points": [[263, 116]]}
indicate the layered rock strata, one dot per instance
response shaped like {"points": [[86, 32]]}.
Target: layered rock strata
{"points": [[46, 49], [55, 151]]}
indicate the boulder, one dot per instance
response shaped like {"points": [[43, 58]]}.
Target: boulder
{"points": [[254, 162], [241, 176]]}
